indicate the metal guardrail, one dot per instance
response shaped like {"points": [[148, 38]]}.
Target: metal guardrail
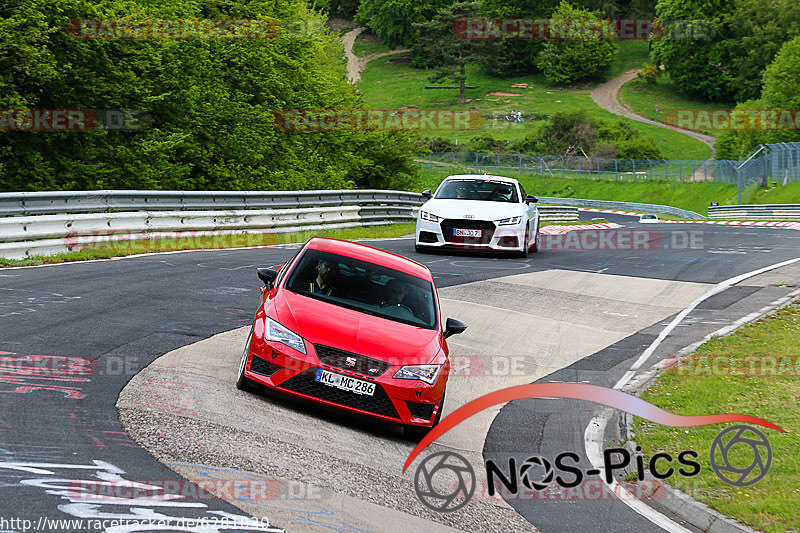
{"points": [[55, 222], [54, 202], [625, 206], [557, 213], [756, 212], [48, 234]]}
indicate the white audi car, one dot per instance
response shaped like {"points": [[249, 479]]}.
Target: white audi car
{"points": [[481, 213]]}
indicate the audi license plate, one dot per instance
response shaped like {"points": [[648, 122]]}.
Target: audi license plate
{"points": [[467, 232], [358, 386]]}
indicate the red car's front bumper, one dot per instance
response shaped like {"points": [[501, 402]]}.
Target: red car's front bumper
{"points": [[401, 401]]}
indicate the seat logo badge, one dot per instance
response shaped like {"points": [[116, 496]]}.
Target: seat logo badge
{"points": [[419, 393], [350, 362], [275, 354]]}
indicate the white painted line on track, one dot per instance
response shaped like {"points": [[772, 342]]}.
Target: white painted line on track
{"points": [[593, 434], [679, 318], [593, 438]]}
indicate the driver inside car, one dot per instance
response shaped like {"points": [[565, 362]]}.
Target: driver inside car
{"points": [[395, 293], [326, 274], [394, 300]]}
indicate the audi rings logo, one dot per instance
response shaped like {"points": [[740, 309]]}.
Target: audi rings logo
{"points": [[733, 442], [444, 482]]}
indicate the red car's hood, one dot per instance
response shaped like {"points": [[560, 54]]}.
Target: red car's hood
{"points": [[360, 333]]}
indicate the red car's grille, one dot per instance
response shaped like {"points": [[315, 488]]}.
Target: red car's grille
{"points": [[360, 364], [379, 403]]}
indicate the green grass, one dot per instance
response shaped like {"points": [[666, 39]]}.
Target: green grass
{"points": [[121, 249], [694, 388], [368, 44], [388, 86], [695, 196], [631, 54], [643, 100], [780, 194]]}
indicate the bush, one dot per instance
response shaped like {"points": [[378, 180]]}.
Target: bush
{"points": [[554, 136], [566, 61], [440, 144], [487, 143], [649, 74]]}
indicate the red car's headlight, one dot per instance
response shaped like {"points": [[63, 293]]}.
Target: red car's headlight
{"points": [[278, 333], [424, 373]]}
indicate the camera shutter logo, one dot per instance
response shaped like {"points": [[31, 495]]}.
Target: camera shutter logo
{"points": [[721, 460], [525, 473], [455, 484]]}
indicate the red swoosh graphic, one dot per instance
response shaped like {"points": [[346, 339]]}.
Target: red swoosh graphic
{"points": [[578, 391]]}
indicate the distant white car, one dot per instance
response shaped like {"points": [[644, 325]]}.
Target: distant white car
{"points": [[648, 219], [481, 213]]}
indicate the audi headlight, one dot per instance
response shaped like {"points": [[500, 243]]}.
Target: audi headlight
{"points": [[429, 217], [509, 221], [278, 333], [424, 373]]}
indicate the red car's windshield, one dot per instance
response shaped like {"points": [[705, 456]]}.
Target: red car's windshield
{"points": [[365, 287]]}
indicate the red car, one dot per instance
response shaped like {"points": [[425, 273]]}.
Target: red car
{"points": [[353, 327]]}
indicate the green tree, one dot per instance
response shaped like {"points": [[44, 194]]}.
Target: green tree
{"points": [[569, 60], [691, 53], [447, 54], [393, 20], [757, 30], [513, 57], [781, 92], [211, 103]]}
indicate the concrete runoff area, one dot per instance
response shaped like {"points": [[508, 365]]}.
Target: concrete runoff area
{"points": [[185, 409]]}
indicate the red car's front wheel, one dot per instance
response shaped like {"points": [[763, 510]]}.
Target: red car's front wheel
{"points": [[242, 382]]}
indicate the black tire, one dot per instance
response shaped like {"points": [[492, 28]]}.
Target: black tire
{"points": [[242, 382], [417, 433], [525, 247], [535, 247]]}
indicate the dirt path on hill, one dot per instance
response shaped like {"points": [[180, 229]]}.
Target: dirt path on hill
{"points": [[356, 64], [606, 95]]}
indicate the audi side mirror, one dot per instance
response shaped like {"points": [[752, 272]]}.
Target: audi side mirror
{"points": [[427, 194], [531, 199], [453, 327], [267, 275]]}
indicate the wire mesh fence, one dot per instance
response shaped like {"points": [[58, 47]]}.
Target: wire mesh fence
{"points": [[779, 162], [586, 167]]}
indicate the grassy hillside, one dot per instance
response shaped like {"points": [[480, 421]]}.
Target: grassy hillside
{"points": [[643, 99], [388, 85], [694, 196]]}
